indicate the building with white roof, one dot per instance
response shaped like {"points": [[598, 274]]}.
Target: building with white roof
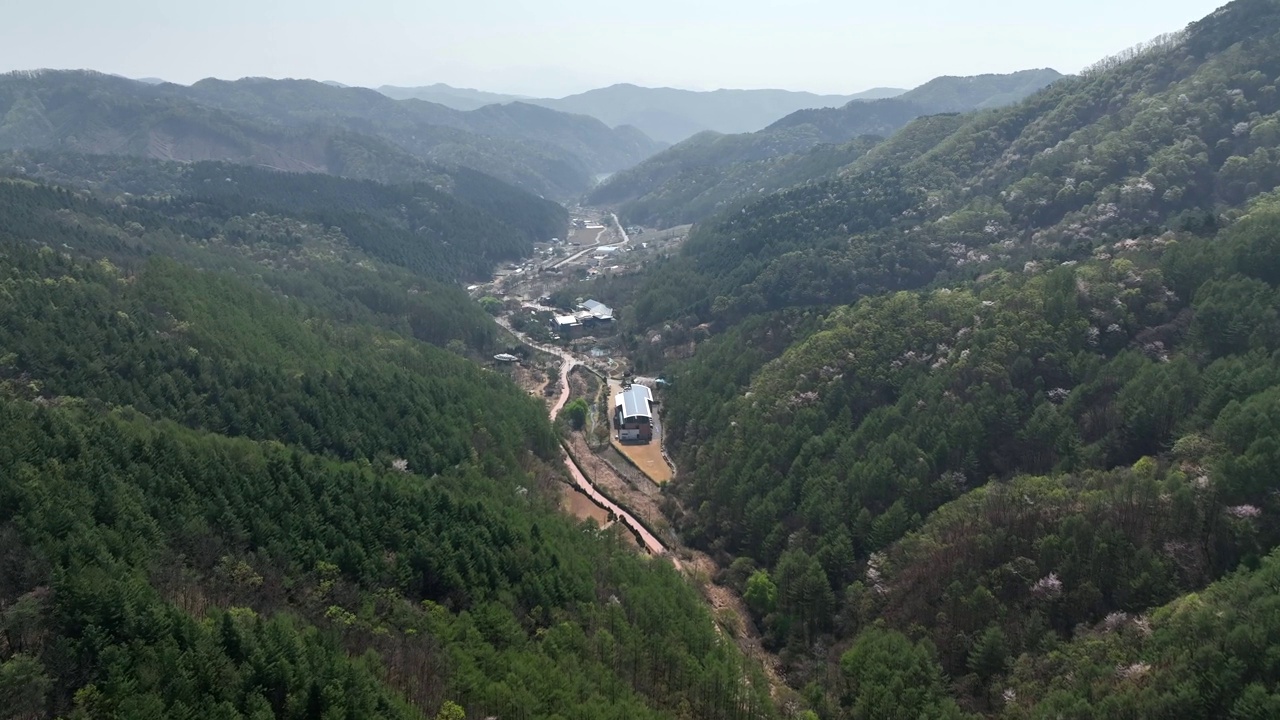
{"points": [[633, 413]]}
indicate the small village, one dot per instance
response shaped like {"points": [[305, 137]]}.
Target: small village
{"points": [[569, 351]]}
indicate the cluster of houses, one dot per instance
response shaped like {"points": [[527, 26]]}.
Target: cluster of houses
{"points": [[589, 315]]}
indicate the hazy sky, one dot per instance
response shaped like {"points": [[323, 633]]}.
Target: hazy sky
{"points": [[556, 47]]}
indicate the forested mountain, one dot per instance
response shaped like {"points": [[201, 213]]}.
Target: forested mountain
{"points": [[985, 425], [710, 174], [713, 173], [671, 115], [939, 95], [301, 125], [457, 227], [298, 102], [233, 482], [882, 471]]}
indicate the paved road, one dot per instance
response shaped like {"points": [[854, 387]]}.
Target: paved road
{"points": [[651, 543]]}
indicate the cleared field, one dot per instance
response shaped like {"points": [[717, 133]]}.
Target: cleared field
{"points": [[585, 236], [647, 457], [581, 507]]}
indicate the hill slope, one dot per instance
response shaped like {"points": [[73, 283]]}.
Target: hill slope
{"points": [[456, 228], [225, 491], [984, 415], [690, 181]]}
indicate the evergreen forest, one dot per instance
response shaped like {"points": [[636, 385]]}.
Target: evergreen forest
{"points": [[250, 468], [973, 396]]}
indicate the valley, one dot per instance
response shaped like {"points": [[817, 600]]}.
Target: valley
{"points": [[321, 367], [956, 402], [947, 410], [626, 489]]}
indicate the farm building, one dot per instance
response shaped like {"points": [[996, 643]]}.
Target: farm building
{"points": [[566, 324], [633, 414], [596, 311]]}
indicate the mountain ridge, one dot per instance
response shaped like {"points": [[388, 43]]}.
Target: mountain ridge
{"points": [[651, 110], [708, 173], [309, 126], [670, 114]]}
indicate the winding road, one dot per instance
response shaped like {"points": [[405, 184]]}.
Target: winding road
{"points": [[744, 631], [647, 539]]}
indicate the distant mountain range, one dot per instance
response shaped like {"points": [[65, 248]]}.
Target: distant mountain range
{"points": [[456, 98], [555, 148], [664, 114], [942, 94], [303, 125], [711, 172]]}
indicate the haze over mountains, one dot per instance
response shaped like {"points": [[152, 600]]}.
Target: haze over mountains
{"points": [[303, 125], [554, 148], [668, 115], [456, 98], [709, 172]]}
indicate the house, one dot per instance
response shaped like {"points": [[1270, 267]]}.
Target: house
{"points": [[595, 312], [566, 325], [633, 414]]}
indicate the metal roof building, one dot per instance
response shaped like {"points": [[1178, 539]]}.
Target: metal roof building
{"points": [[598, 310], [634, 402]]}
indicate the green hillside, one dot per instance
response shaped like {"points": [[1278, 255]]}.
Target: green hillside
{"points": [[982, 425], [234, 484], [708, 174], [1167, 139], [860, 433], [457, 226]]}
